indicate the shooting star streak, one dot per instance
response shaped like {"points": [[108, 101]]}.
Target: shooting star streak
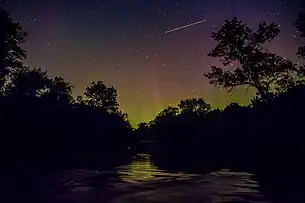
{"points": [[185, 26]]}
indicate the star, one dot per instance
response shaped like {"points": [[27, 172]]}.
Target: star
{"points": [[118, 39]]}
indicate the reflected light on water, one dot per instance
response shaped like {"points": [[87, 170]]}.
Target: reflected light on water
{"points": [[142, 181], [140, 169]]}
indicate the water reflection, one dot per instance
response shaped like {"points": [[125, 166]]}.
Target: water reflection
{"points": [[142, 181], [143, 171], [140, 169]]}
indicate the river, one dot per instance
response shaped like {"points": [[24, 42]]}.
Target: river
{"points": [[141, 181]]}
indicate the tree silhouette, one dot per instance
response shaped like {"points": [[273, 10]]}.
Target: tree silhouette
{"points": [[258, 67], [165, 115], [143, 125], [36, 83], [58, 89], [194, 105], [44, 129], [32, 83], [169, 111], [300, 25], [11, 54], [79, 100], [99, 95]]}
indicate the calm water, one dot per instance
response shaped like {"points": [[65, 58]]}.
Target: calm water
{"points": [[141, 181]]}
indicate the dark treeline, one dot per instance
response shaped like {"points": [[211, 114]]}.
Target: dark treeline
{"points": [[265, 137], [42, 124], [44, 127]]}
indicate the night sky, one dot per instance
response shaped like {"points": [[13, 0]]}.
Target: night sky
{"points": [[123, 43]]}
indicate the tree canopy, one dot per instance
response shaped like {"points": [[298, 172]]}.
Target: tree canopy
{"points": [[260, 69], [99, 95], [187, 107], [11, 37], [169, 111], [36, 83], [194, 105]]}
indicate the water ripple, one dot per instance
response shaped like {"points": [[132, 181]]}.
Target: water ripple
{"points": [[141, 181]]}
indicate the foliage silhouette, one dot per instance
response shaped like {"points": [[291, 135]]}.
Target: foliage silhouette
{"points": [[59, 89], [259, 68], [263, 138], [169, 111], [194, 105], [11, 54], [142, 125], [99, 95], [36, 83], [42, 126], [32, 83]]}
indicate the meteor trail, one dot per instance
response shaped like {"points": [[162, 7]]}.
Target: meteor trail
{"points": [[185, 26]]}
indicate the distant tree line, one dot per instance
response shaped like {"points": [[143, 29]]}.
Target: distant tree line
{"points": [[42, 125], [264, 137], [41, 122]]}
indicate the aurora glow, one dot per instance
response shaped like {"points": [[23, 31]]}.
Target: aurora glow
{"points": [[124, 44]]}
